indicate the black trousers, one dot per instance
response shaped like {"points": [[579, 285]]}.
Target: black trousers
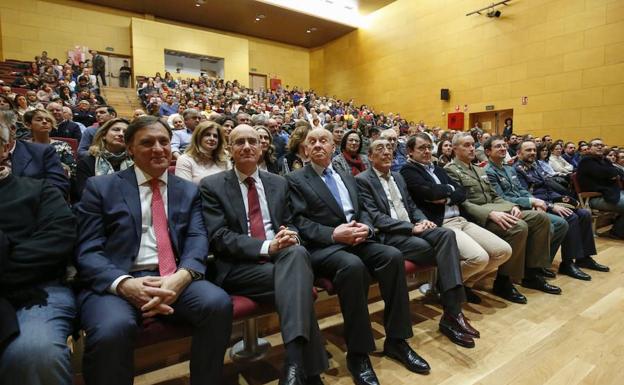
{"points": [[437, 246], [286, 280], [350, 270]]}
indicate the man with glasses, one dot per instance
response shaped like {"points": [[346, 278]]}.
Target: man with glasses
{"points": [[596, 173], [182, 138], [481, 251], [398, 151], [401, 224], [527, 231]]}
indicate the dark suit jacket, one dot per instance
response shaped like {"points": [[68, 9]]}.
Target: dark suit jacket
{"points": [[109, 217], [423, 189], [316, 212], [598, 174], [376, 203], [226, 219], [39, 161]]}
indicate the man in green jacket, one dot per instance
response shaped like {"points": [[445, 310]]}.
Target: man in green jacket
{"points": [[527, 231]]}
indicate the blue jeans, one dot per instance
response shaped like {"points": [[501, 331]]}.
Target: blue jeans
{"points": [[39, 354]]}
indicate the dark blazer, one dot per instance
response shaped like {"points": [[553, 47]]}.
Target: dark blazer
{"points": [[85, 169], [226, 220], [598, 174], [376, 203], [39, 161], [67, 129], [423, 189], [316, 212], [109, 218]]}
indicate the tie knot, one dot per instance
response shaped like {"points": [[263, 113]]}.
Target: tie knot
{"points": [[327, 171], [386, 176], [250, 181], [154, 183]]}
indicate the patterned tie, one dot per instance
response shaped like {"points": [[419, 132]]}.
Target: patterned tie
{"points": [[331, 184], [395, 199], [256, 223], [166, 258]]}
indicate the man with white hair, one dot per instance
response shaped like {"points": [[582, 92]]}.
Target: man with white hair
{"points": [[64, 128], [68, 115]]}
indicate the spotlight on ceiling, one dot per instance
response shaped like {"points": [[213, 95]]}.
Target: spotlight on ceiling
{"points": [[492, 12], [311, 29], [199, 2], [260, 17]]}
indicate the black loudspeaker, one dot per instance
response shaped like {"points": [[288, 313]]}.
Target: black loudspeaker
{"points": [[445, 94]]}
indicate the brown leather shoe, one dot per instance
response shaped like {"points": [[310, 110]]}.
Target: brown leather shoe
{"points": [[463, 322], [449, 326]]}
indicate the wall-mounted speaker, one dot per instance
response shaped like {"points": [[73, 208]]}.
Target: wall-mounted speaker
{"points": [[445, 94]]}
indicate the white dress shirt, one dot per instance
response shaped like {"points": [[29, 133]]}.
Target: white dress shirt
{"points": [[347, 205], [386, 186], [264, 207], [147, 258]]}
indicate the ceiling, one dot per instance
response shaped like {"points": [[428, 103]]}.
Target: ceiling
{"points": [[239, 16]]}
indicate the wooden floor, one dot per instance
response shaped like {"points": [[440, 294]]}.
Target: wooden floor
{"points": [[575, 338]]}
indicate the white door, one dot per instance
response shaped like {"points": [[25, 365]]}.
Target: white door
{"points": [[113, 64]]}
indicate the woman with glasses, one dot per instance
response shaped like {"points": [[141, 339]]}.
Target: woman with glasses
{"points": [[350, 160]]}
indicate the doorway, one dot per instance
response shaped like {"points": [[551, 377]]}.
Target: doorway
{"points": [[490, 121], [113, 64], [257, 82]]}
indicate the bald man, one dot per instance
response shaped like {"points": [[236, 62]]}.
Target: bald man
{"points": [[258, 252], [339, 235], [64, 128]]}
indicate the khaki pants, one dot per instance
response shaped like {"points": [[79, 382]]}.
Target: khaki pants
{"points": [[530, 241], [481, 251]]}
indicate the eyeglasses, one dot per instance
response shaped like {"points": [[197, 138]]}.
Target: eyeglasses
{"points": [[424, 147], [241, 141]]}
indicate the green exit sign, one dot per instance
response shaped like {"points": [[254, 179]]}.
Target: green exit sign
{"points": [[489, 108]]}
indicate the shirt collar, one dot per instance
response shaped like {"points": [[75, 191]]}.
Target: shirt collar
{"points": [[241, 177], [380, 174], [143, 177], [319, 169], [429, 167]]}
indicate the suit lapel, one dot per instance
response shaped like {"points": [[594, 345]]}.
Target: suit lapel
{"points": [[174, 192], [322, 190], [21, 158], [236, 199], [270, 193], [130, 193], [378, 189]]}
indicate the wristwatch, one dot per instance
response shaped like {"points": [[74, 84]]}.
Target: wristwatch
{"points": [[195, 276]]}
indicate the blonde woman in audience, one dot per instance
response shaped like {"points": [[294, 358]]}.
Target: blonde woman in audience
{"points": [[106, 155], [556, 161], [205, 155], [41, 123]]}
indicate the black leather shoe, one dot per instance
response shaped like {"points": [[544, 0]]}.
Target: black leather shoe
{"points": [[461, 321], [546, 273], [539, 283], [471, 296], [314, 380], [590, 263], [450, 327], [509, 292], [293, 375], [570, 269], [402, 352], [361, 369]]}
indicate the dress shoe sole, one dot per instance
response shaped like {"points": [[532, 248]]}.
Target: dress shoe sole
{"points": [[419, 371], [449, 334]]}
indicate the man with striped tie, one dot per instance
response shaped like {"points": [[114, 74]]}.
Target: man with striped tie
{"points": [[142, 253]]}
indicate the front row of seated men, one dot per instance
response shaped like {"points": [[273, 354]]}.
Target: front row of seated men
{"points": [[144, 236]]}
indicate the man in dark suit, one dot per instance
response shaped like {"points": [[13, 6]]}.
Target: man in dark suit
{"points": [[258, 253], [64, 128], [142, 253], [402, 225], [339, 235]]}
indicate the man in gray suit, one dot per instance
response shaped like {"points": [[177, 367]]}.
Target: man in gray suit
{"points": [[258, 252], [401, 224]]}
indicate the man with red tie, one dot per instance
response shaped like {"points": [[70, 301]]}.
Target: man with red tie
{"points": [[142, 253], [258, 255]]}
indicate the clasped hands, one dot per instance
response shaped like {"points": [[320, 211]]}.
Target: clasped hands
{"points": [[351, 233], [506, 220], [283, 239], [154, 295], [422, 226]]}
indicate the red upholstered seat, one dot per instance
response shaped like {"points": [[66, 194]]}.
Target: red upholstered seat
{"points": [[154, 330]]}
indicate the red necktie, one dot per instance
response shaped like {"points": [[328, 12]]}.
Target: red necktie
{"points": [[166, 258], [256, 224]]}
